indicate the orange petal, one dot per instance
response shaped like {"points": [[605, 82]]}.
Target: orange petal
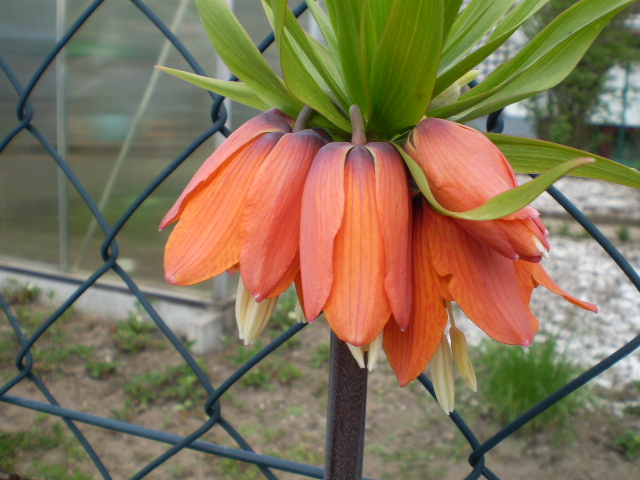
{"points": [[298, 284], [264, 123], [271, 225], [410, 351], [393, 202], [285, 281], [541, 277], [463, 167], [490, 233], [322, 211], [483, 283], [206, 241], [357, 308]]}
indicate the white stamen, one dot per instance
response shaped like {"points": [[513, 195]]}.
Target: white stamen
{"points": [[461, 356], [461, 352], [300, 318], [442, 375], [540, 246], [252, 316], [375, 348], [372, 349]]}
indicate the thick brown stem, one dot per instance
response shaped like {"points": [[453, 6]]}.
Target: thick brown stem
{"points": [[346, 415]]}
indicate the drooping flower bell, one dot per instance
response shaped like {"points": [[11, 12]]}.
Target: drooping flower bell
{"points": [[449, 264], [241, 210], [354, 239], [464, 170]]}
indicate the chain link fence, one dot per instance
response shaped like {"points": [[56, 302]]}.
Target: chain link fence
{"points": [[109, 252]]}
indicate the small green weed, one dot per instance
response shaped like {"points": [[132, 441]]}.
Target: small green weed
{"points": [[518, 378], [272, 434], [321, 355], [101, 369], [243, 354], [16, 292], [630, 443], [177, 384], [38, 440], [56, 471], [284, 316], [565, 230], [624, 233], [263, 375], [285, 371], [228, 468], [135, 334], [8, 349]]}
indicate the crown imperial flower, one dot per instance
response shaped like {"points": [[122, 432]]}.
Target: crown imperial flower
{"points": [[354, 243], [449, 264], [241, 210], [464, 170]]}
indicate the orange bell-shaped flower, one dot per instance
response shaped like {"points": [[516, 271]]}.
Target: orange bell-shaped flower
{"points": [[449, 264], [241, 210], [354, 240], [464, 170]]}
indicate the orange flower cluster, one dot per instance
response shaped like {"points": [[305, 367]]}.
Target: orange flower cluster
{"points": [[339, 220]]}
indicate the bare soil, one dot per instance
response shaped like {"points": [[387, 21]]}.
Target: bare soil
{"points": [[407, 435]]}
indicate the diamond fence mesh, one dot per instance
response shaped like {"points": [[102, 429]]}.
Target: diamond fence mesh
{"points": [[109, 252]]}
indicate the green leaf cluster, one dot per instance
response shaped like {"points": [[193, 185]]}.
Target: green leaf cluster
{"points": [[392, 57]]}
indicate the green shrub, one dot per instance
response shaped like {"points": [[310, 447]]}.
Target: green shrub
{"points": [[517, 378], [623, 233], [630, 443]]}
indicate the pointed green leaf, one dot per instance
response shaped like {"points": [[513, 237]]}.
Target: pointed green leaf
{"points": [[405, 65], [238, 52], [501, 205], [345, 18], [548, 71], [516, 17], [543, 63], [477, 19], [468, 63], [309, 52], [234, 90], [297, 72], [451, 10], [369, 35], [324, 24], [528, 155]]}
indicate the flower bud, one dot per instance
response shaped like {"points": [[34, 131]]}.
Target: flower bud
{"points": [[452, 92]]}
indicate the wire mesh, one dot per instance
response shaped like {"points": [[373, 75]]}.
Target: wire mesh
{"points": [[213, 408]]}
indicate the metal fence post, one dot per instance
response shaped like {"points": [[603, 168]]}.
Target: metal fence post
{"points": [[346, 414], [61, 137]]}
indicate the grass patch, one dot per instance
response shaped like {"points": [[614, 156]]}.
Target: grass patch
{"points": [[515, 379], [175, 384], [101, 370], [39, 440], [321, 356], [136, 333], [629, 442]]}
